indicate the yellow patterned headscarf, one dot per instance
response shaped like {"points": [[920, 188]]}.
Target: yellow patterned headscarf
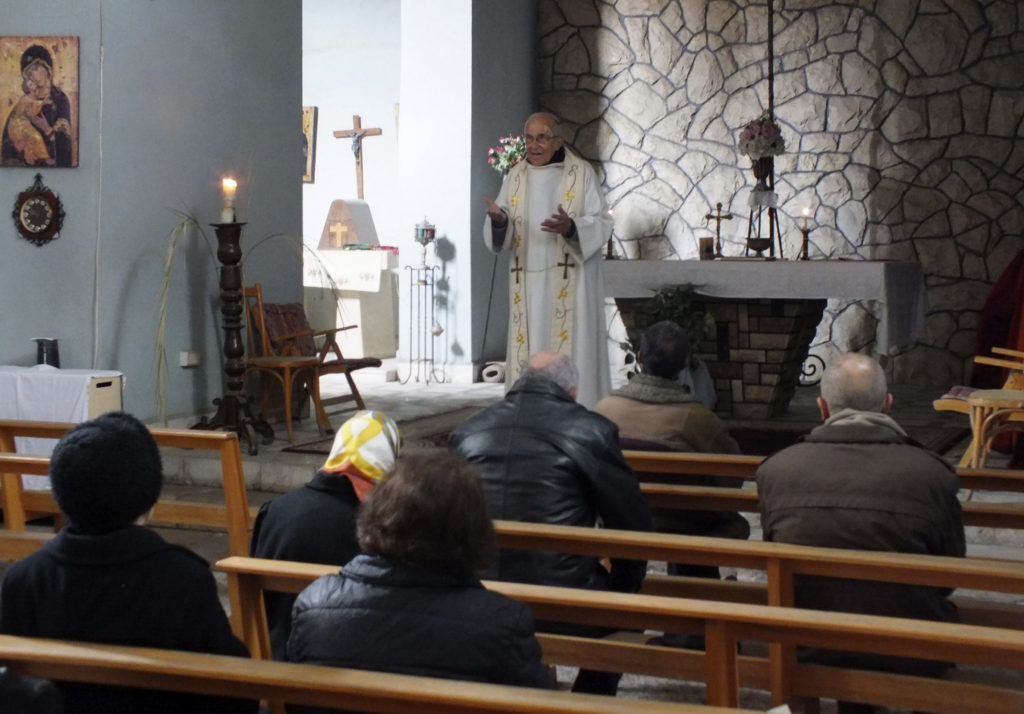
{"points": [[364, 448]]}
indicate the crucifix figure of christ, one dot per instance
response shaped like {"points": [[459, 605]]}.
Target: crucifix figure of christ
{"points": [[357, 133], [718, 217]]}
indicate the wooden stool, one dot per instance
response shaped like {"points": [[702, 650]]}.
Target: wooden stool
{"points": [[992, 412]]}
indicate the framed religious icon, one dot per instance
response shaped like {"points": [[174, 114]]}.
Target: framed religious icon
{"points": [[39, 101], [308, 143]]}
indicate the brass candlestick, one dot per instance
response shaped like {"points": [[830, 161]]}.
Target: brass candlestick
{"points": [[803, 245]]}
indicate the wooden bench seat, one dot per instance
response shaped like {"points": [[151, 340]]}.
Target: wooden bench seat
{"points": [[720, 667], [299, 683]]}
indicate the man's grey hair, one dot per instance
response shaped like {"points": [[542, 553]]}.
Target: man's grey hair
{"points": [[854, 381], [561, 370], [553, 122]]}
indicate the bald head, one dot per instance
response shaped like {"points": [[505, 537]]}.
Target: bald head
{"points": [[854, 381], [542, 120], [556, 367]]}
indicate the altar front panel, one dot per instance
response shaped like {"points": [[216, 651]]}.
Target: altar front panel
{"points": [[766, 314], [896, 287]]}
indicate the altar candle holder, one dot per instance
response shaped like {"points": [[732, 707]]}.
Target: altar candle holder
{"points": [[805, 230], [424, 235]]}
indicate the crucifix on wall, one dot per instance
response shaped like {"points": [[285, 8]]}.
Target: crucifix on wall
{"points": [[357, 133]]}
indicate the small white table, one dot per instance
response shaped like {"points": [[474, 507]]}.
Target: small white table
{"points": [[46, 393]]}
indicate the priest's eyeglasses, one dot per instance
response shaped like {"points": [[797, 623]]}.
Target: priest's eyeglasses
{"points": [[542, 139]]}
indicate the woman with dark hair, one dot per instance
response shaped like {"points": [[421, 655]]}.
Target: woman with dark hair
{"points": [[411, 602]]}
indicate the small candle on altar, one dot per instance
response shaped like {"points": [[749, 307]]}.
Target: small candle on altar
{"points": [[227, 212], [807, 212]]}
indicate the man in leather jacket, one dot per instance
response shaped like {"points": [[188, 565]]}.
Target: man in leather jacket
{"points": [[544, 458]]}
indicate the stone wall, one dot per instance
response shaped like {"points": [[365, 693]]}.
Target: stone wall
{"points": [[903, 125]]}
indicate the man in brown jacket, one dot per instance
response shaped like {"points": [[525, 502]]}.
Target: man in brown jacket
{"points": [[858, 481], [655, 411]]}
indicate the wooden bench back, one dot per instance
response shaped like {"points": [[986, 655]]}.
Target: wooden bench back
{"points": [[669, 463], [234, 515], [659, 490], [781, 563], [723, 625], [298, 683]]}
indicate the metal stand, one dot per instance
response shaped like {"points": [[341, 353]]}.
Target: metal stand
{"points": [[233, 412], [423, 325], [763, 199]]}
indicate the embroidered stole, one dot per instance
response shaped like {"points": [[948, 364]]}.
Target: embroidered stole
{"points": [[571, 194]]}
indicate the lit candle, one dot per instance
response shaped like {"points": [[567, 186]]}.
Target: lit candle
{"points": [[227, 212], [807, 212]]}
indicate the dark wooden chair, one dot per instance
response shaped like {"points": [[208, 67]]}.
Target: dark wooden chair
{"points": [[283, 345]]}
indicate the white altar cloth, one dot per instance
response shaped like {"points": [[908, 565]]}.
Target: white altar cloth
{"points": [[897, 287], [46, 393]]}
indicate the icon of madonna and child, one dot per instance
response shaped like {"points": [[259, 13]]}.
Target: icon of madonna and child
{"points": [[40, 128]]}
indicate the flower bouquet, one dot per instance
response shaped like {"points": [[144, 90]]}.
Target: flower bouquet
{"points": [[761, 137], [509, 152]]}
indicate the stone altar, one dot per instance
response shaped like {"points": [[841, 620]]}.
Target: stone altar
{"points": [[766, 314]]}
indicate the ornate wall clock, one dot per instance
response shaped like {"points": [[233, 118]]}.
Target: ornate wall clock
{"points": [[38, 213]]}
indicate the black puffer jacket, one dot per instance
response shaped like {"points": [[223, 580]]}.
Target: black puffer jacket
{"points": [[544, 458], [384, 616]]}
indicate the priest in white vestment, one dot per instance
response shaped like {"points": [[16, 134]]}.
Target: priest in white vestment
{"points": [[552, 220]]}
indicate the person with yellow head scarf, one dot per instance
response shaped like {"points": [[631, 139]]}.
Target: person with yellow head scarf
{"points": [[317, 522]]}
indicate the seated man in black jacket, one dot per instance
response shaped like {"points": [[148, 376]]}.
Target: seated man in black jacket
{"points": [[543, 458]]}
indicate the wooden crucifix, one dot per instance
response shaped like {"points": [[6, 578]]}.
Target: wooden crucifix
{"points": [[718, 217], [356, 133]]}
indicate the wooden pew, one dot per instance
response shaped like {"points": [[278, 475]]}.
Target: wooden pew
{"points": [[742, 466], [234, 515], [17, 544], [745, 500], [781, 563], [724, 624], [665, 494], [299, 683]]}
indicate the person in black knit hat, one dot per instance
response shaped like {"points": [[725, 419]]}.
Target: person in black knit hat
{"points": [[106, 578]]}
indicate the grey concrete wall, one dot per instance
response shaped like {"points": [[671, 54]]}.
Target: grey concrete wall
{"points": [[175, 94]]}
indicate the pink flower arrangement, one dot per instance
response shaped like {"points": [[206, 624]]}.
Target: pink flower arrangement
{"points": [[761, 137], [509, 152]]}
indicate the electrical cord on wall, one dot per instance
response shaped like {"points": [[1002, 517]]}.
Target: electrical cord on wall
{"points": [[99, 217]]}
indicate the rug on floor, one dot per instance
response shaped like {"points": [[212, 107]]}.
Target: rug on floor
{"points": [[423, 432]]}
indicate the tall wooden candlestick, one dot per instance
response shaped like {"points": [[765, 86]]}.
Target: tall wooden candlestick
{"points": [[233, 411]]}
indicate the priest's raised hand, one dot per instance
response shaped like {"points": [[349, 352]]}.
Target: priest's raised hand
{"points": [[559, 223], [496, 213]]}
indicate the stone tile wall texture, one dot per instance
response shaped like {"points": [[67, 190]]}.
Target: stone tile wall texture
{"points": [[902, 119]]}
